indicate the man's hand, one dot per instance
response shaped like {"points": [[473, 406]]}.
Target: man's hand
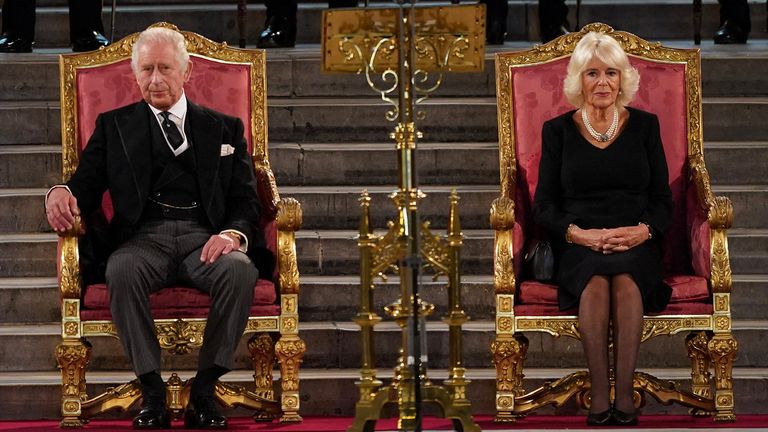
{"points": [[218, 245], [61, 209]]}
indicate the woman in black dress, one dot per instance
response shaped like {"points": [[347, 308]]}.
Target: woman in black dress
{"points": [[604, 197]]}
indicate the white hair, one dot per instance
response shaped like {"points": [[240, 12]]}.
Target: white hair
{"points": [[160, 35], [605, 48]]}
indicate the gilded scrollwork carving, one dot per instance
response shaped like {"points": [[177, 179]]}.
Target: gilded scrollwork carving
{"points": [[262, 349], [70, 282], [655, 326], [290, 352], [722, 277], [72, 359], [289, 219], [696, 342], [508, 354], [180, 337], [553, 325]]}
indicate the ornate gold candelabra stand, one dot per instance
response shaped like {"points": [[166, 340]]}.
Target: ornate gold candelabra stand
{"points": [[406, 50]]}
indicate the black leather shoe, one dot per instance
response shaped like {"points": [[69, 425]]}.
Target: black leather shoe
{"points": [[600, 419], [203, 414], [620, 418], [93, 41], [279, 32], [153, 415], [10, 44], [730, 34]]}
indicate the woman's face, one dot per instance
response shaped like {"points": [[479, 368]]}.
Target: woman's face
{"points": [[600, 84]]}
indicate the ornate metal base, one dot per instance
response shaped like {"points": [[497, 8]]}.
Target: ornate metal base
{"points": [[367, 412]]}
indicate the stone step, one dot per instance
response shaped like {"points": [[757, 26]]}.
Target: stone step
{"points": [[307, 164], [336, 345], [338, 207], [726, 71], [31, 300], [334, 252], [362, 120], [43, 391], [665, 20]]}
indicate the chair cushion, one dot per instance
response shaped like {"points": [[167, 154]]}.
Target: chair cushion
{"points": [[538, 298], [177, 302]]}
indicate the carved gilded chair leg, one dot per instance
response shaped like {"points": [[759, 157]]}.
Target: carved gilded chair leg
{"points": [[262, 349], [722, 350], [701, 378], [290, 350], [509, 353], [73, 357]]}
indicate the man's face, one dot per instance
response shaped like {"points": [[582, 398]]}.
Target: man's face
{"points": [[160, 76]]}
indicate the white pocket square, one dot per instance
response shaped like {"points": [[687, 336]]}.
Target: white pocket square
{"points": [[226, 150]]}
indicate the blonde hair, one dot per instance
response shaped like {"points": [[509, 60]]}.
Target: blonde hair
{"points": [[160, 35], [605, 48]]}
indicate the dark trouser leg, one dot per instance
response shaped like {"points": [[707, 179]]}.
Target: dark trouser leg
{"points": [[495, 20], [553, 14], [627, 312], [282, 8], [84, 18], [737, 12], [342, 4], [139, 267], [594, 312], [19, 19], [229, 281]]}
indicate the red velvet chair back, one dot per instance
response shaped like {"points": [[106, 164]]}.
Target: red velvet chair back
{"points": [[537, 95]]}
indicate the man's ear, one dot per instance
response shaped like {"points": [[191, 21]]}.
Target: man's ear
{"points": [[188, 72]]}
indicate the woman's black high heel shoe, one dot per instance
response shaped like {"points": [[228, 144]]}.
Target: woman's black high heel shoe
{"points": [[600, 419], [620, 418]]}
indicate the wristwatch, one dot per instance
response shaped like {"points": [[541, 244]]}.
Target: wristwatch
{"points": [[234, 235]]}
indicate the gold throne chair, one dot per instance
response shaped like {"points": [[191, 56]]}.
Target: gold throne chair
{"points": [[232, 81], [529, 87]]}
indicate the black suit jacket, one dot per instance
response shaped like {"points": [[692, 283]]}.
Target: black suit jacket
{"points": [[118, 158]]}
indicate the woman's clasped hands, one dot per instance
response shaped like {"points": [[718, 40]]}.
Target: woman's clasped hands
{"points": [[610, 240]]}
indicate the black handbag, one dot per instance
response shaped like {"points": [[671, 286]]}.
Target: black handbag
{"points": [[539, 262]]}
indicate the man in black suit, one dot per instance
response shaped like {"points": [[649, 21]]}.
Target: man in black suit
{"points": [[280, 25], [185, 208], [86, 31]]}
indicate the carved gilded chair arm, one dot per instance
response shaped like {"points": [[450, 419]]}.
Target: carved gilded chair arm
{"points": [[720, 218], [502, 218], [267, 187], [289, 218], [68, 265]]}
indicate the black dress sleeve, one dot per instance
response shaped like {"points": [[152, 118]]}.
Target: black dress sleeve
{"points": [[659, 210], [547, 208], [89, 181]]}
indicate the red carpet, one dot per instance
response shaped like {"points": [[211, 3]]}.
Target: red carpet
{"points": [[340, 424]]}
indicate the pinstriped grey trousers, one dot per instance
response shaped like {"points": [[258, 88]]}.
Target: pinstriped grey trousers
{"points": [[166, 252]]}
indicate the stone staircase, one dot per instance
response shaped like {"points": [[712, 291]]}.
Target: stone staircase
{"points": [[328, 142]]}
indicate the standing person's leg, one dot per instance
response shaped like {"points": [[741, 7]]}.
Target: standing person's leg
{"points": [[627, 313], [142, 265], [18, 26], [333, 4], [495, 21], [594, 313], [230, 281], [280, 25], [553, 19], [735, 22], [86, 30]]}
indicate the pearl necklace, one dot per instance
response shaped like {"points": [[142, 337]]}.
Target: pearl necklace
{"points": [[608, 135]]}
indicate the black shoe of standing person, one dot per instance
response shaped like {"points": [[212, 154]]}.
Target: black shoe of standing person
{"points": [[91, 42], [153, 414], [279, 32], [553, 31], [730, 34], [12, 44], [204, 414]]}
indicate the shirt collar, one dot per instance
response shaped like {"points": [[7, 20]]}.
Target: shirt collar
{"points": [[179, 109]]}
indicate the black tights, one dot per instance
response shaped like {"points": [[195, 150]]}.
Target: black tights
{"points": [[604, 297]]}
